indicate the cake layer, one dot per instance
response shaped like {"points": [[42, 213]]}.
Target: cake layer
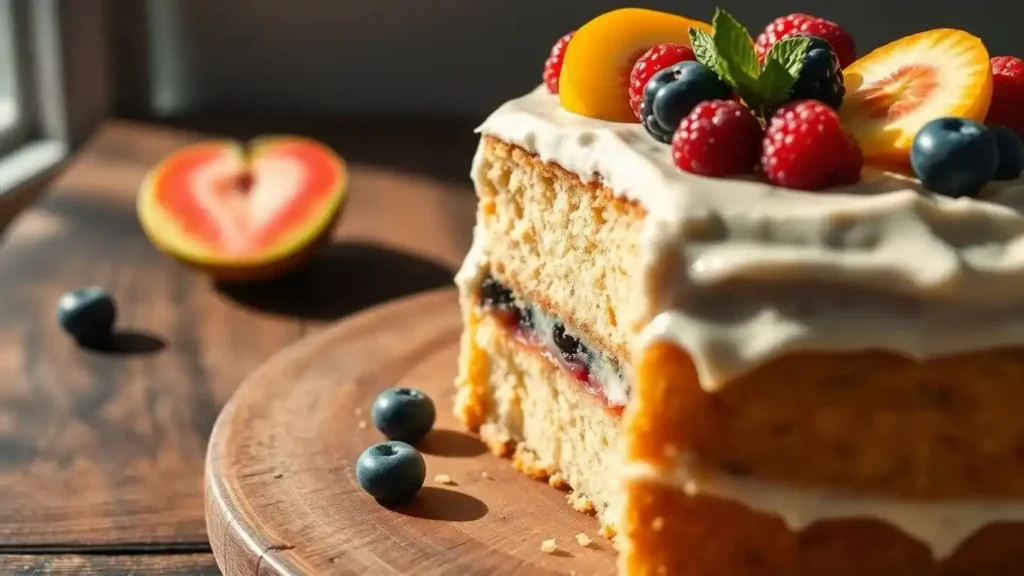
{"points": [[561, 244], [744, 272], [542, 416]]}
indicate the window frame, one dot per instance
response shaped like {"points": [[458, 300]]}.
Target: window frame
{"points": [[59, 105]]}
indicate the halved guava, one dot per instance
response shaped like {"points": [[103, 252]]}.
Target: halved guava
{"points": [[241, 212]]}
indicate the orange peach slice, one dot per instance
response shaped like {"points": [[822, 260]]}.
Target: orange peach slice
{"points": [[598, 60], [895, 90]]}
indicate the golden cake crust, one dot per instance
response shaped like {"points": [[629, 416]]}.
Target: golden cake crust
{"points": [[668, 532]]}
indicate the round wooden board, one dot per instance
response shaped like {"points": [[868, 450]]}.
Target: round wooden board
{"points": [[281, 494]]}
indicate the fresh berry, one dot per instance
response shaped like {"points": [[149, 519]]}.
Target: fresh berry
{"points": [[820, 78], [789, 26], [1011, 153], [673, 92], [404, 414], [806, 148], [602, 53], [1007, 107], [718, 138], [656, 59], [391, 471], [954, 156], [895, 90], [553, 65], [88, 315]]}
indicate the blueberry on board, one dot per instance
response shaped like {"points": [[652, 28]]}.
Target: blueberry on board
{"points": [[673, 92], [391, 471], [954, 156], [88, 315], [1011, 153], [403, 414]]}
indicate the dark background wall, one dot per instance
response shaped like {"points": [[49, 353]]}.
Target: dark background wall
{"points": [[447, 57]]}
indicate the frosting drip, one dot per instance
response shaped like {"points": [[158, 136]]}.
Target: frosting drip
{"points": [[767, 270], [942, 526]]}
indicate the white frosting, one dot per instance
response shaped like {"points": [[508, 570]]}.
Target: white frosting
{"points": [[765, 271], [768, 270], [942, 526]]}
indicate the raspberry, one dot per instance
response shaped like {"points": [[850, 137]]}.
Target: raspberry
{"points": [[718, 138], [553, 65], [1007, 107], [789, 26], [657, 58], [806, 148]]}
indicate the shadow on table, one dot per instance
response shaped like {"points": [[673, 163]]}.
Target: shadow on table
{"points": [[343, 278]]}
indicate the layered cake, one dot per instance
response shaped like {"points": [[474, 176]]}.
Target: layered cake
{"points": [[758, 304]]}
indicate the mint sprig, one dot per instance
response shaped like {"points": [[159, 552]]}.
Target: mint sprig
{"points": [[729, 51]]}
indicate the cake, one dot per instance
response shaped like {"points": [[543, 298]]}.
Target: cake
{"points": [[792, 346]]}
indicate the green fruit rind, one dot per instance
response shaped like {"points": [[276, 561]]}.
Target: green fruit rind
{"points": [[166, 232]]}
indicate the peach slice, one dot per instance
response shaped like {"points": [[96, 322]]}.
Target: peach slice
{"points": [[243, 214], [898, 88], [598, 60]]}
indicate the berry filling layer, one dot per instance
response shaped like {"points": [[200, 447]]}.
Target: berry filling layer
{"points": [[596, 373]]}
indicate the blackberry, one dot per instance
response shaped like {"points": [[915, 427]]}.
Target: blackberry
{"points": [[821, 78]]}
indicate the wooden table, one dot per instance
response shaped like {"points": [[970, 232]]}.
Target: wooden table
{"points": [[101, 456]]}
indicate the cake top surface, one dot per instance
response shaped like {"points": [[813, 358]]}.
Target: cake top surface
{"points": [[885, 231]]}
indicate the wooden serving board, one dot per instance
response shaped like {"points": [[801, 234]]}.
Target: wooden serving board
{"points": [[281, 493]]}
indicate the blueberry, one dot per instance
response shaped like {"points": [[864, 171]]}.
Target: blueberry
{"points": [[954, 156], [403, 414], [1011, 153], [88, 315], [673, 92], [820, 77], [391, 471], [495, 294], [568, 345]]}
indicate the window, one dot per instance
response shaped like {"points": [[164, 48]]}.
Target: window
{"points": [[41, 101]]}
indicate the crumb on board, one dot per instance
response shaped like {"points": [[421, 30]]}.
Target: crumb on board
{"points": [[359, 411], [657, 524], [362, 424], [444, 479], [485, 475], [583, 540], [548, 546]]}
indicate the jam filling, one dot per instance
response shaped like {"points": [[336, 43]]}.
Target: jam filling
{"points": [[598, 375]]}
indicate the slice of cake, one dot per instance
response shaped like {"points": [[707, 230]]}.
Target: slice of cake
{"points": [[783, 351]]}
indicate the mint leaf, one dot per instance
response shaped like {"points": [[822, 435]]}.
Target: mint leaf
{"points": [[703, 48], [782, 67], [734, 47]]}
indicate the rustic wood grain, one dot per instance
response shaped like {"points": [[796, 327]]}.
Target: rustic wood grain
{"points": [[80, 565], [281, 493], [106, 449]]}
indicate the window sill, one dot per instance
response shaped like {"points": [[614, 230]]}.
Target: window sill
{"points": [[24, 166]]}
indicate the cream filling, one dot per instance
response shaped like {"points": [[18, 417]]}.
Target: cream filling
{"points": [[941, 525], [765, 270]]}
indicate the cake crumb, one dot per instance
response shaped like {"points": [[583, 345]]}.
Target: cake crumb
{"points": [[444, 479], [583, 540], [657, 524], [359, 411], [558, 481], [548, 546], [485, 475], [607, 531], [362, 424]]}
